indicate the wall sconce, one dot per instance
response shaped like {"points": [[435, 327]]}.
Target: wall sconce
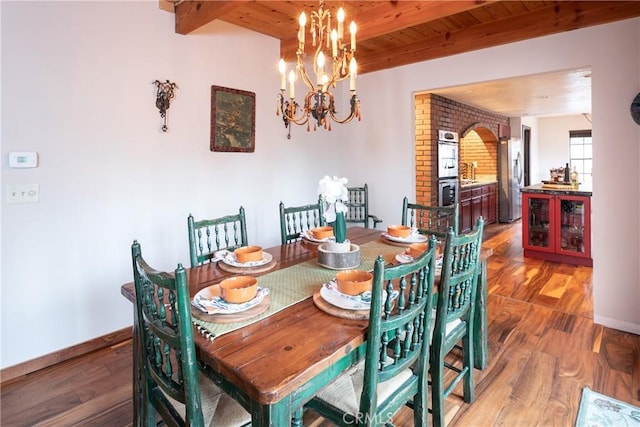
{"points": [[164, 95]]}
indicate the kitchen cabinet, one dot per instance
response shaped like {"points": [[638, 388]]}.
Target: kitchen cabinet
{"points": [[557, 227], [489, 203], [477, 200]]}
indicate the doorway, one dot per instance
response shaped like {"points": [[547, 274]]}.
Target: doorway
{"points": [[526, 140]]}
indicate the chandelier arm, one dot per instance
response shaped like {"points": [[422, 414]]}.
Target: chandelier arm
{"points": [[336, 75], [301, 120], [355, 111], [304, 76], [288, 112], [320, 108]]}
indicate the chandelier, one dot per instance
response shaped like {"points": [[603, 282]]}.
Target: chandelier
{"points": [[333, 61]]}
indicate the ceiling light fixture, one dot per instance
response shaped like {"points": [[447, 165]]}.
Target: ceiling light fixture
{"points": [[333, 61]]}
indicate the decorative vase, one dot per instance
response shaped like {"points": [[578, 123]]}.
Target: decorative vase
{"points": [[340, 228], [338, 260], [574, 177]]}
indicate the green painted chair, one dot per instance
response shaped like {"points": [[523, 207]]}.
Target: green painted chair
{"points": [[172, 386], [296, 219], [434, 220], [208, 236], [454, 319], [358, 206], [395, 370]]}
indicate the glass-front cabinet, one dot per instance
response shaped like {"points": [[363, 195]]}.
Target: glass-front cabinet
{"points": [[557, 227]]}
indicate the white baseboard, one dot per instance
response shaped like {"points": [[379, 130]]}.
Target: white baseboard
{"points": [[633, 328]]}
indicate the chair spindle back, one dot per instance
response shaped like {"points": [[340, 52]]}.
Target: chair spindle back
{"points": [[208, 236]]}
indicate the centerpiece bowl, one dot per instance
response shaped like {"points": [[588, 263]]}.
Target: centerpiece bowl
{"points": [[343, 260]]}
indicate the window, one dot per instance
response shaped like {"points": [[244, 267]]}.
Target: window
{"points": [[581, 154]]}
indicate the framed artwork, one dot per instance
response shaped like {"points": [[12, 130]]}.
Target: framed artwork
{"points": [[233, 120]]}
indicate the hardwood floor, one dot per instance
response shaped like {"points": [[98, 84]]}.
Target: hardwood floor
{"points": [[544, 348]]}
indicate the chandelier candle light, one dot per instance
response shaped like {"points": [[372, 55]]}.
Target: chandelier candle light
{"points": [[333, 61]]}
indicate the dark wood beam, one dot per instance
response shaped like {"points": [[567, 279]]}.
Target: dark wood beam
{"points": [[191, 15], [389, 16], [168, 5], [559, 17]]}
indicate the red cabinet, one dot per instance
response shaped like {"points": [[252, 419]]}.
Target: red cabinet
{"points": [[557, 227]]}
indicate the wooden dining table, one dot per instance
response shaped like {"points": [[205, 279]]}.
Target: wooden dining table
{"points": [[276, 364]]}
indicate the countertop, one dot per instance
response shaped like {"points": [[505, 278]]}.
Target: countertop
{"points": [[582, 190], [477, 183]]}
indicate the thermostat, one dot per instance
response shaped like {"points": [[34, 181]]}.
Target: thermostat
{"points": [[23, 159]]}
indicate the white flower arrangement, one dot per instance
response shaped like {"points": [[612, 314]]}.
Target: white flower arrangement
{"points": [[333, 192]]}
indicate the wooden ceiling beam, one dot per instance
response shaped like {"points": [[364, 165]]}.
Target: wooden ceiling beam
{"points": [[191, 15], [168, 5], [559, 17], [390, 16]]}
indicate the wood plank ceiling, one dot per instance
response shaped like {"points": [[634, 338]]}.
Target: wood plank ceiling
{"points": [[394, 33]]}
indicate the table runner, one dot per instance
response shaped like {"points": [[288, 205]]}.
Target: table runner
{"points": [[296, 283]]}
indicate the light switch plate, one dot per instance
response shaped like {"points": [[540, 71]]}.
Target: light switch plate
{"points": [[23, 159], [23, 193]]}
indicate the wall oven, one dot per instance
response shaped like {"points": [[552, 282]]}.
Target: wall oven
{"points": [[448, 185], [448, 143], [448, 192]]}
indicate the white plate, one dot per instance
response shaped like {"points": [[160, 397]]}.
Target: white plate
{"points": [[307, 234], [403, 258], [230, 259], [209, 301], [412, 238], [330, 293]]}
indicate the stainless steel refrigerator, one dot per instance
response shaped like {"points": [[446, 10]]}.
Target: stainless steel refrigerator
{"points": [[510, 179]]}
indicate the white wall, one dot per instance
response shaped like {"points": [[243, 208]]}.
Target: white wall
{"points": [[553, 146], [77, 88], [534, 150], [516, 124]]}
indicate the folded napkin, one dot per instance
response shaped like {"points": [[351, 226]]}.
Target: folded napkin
{"points": [[219, 255]]}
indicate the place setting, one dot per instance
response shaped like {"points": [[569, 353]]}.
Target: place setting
{"points": [[317, 235], [232, 300], [246, 260], [348, 295], [402, 235], [415, 250]]}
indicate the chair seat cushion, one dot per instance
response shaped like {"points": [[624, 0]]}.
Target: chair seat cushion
{"points": [[448, 329], [218, 408], [344, 393]]}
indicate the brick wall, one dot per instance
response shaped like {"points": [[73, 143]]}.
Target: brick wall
{"points": [[478, 131], [426, 153]]}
